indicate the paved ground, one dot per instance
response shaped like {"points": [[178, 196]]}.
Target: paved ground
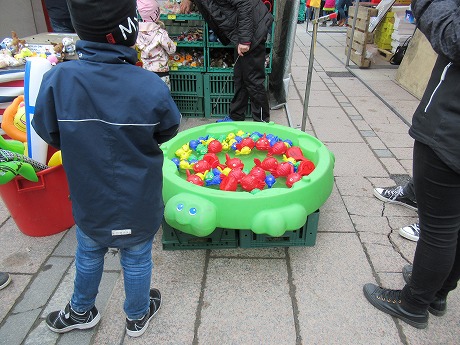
{"points": [[297, 295]]}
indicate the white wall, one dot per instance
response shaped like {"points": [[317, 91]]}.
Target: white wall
{"points": [[23, 16]]}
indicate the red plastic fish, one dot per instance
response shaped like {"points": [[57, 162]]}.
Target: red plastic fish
{"points": [[296, 153], [268, 164], [258, 172], [195, 179], [305, 167], [228, 183], [293, 178], [284, 169], [250, 182], [278, 148], [215, 146], [233, 163], [201, 166], [246, 142], [263, 144], [212, 159], [237, 173]]}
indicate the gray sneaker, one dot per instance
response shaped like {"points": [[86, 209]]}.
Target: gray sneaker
{"points": [[395, 195], [411, 232]]}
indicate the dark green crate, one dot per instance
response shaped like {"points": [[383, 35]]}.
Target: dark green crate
{"points": [[218, 94], [220, 238], [186, 84], [305, 236], [189, 106]]}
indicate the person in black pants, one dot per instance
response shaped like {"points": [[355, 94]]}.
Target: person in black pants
{"points": [[59, 15], [435, 128], [244, 23]]}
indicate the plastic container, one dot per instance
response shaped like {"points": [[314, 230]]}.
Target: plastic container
{"points": [[40, 208]]}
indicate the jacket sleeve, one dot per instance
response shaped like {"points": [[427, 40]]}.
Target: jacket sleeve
{"points": [[45, 118], [167, 43], [439, 21], [169, 119], [244, 9]]}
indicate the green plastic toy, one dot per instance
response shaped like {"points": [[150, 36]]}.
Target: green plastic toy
{"points": [[198, 210]]}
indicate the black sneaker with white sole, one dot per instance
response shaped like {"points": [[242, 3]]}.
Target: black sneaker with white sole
{"points": [[411, 232], [395, 195], [5, 279], [135, 328], [62, 321]]}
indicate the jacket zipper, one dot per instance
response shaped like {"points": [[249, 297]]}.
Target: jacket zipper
{"points": [[443, 76]]}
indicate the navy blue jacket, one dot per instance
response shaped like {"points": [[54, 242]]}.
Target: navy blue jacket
{"points": [[108, 117], [436, 121]]}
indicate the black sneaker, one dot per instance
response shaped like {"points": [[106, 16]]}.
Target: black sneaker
{"points": [[411, 232], [66, 320], [389, 301], [439, 306], [135, 328], [395, 195], [5, 279]]}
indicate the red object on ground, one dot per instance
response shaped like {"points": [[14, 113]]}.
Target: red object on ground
{"points": [[40, 208]]}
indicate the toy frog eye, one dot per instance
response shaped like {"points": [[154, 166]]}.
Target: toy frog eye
{"points": [[180, 207], [192, 211]]}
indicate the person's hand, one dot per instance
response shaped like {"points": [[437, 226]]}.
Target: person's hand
{"points": [[243, 48], [185, 6]]}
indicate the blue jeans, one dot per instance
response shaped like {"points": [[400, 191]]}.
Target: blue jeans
{"points": [[341, 8], [137, 267], [64, 26]]}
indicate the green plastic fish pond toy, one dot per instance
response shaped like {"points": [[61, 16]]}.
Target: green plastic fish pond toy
{"points": [[199, 210]]}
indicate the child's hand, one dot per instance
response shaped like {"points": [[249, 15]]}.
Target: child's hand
{"points": [[243, 48]]}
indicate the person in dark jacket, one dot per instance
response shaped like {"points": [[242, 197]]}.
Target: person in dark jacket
{"points": [[59, 15], [108, 118], [436, 173], [244, 23]]}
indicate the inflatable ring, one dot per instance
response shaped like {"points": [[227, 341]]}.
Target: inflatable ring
{"points": [[8, 121]]}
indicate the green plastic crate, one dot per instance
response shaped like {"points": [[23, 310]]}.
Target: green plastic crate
{"points": [[305, 236], [174, 239], [189, 106], [218, 94], [187, 84]]}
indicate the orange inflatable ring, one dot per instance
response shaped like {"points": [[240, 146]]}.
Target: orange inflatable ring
{"points": [[8, 121]]}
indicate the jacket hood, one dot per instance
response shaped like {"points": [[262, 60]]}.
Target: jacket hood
{"points": [[105, 52]]}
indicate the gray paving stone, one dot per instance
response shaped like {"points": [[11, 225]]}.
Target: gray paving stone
{"points": [[352, 159], [393, 166], [383, 153], [10, 295], [41, 335], [16, 327], [375, 143], [326, 309], [246, 301], [21, 253], [43, 284]]}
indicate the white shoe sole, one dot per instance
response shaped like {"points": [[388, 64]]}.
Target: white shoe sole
{"points": [[5, 284], [408, 236], [88, 325]]}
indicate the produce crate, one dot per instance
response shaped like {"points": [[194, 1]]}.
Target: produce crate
{"points": [[218, 94], [305, 236], [187, 92], [220, 238], [183, 83]]}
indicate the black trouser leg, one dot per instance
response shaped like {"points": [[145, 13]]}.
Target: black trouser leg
{"points": [[436, 269], [249, 77]]}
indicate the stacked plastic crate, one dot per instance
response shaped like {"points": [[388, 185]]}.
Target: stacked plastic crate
{"points": [[188, 64]]}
